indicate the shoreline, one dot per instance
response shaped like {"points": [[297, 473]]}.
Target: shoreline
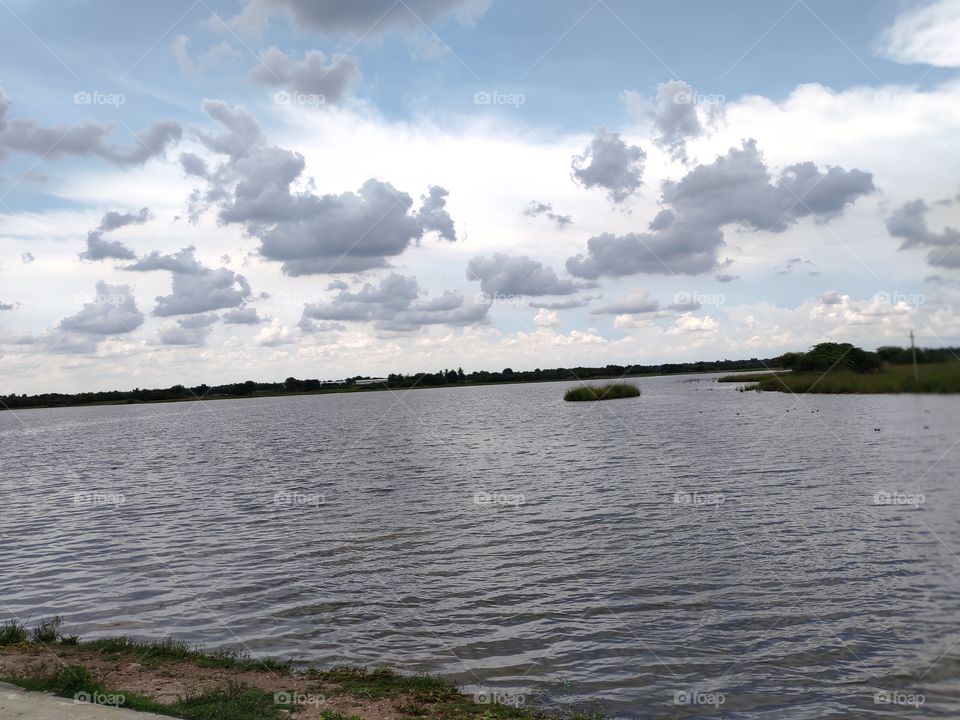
{"points": [[170, 678], [373, 388]]}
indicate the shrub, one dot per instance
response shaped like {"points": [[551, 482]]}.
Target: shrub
{"points": [[610, 391]]}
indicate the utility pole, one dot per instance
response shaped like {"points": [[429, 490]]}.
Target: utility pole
{"points": [[913, 351]]}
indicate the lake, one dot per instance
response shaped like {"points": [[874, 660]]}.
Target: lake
{"points": [[695, 552]]}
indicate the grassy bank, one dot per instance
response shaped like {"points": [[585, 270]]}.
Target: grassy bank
{"points": [[610, 391], [171, 678], [934, 378]]}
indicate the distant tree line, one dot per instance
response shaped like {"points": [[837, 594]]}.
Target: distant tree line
{"points": [[362, 383], [844, 356]]}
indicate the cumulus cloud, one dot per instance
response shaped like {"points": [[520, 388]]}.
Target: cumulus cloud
{"points": [[28, 135], [308, 233], [674, 115], [909, 223], [502, 274], [274, 334], [395, 304], [561, 304], [736, 188], [637, 302], [547, 318], [242, 316], [196, 288], [6, 306], [310, 76], [690, 323], [925, 34], [214, 55], [535, 208], [367, 18], [100, 249], [186, 333], [609, 163], [112, 311]]}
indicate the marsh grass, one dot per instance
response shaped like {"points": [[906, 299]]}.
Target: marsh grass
{"points": [[13, 632], [935, 378], [170, 650], [47, 630], [610, 391]]}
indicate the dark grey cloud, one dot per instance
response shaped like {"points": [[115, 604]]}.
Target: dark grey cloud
{"points": [[366, 18], [311, 76], [242, 316], [535, 208], [28, 135], [791, 265], [309, 233], [315, 326], [6, 306], [736, 188], [204, 320], [112, 311], [636, 303], [831, 297], [100, 249], [182, 262], [27, 258], [684, 306], [395, 304], [609, 163], [909, 224], [502, 274]]}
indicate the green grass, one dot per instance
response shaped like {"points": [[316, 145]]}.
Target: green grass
{"points": [[170, 650], [47, 630], [12, 632], [233, 702], [934, 378], [414, 696], [610, 391]]}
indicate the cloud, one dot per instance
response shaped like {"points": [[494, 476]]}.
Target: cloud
{"points": [[561, 304], [187, 331], [274, 334], [734, 189], [242, 316], [367, 18], [534, 208], [6, 306], [502, 274], [637, 302], [196, 288], [608, 162], [547, 318], [214, 55], [925, 34], [308, 233], [27, 258], [84, 139], [674, 116], [310, 76], [690, 323], [112, 311], [100, 249], [394, 304], [909, 223]]}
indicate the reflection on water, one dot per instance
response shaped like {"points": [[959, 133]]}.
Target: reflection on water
{"points": [[696, 552]]}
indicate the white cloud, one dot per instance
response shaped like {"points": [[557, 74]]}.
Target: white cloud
{"points": [[926, 34]]}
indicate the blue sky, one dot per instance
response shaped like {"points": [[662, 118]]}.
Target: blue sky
{"points": [[835, 223]]}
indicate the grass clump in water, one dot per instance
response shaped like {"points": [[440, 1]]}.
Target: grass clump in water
{"points": [[610, 391]]}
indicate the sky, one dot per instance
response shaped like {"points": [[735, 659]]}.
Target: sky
{"points": [[207, 192]]}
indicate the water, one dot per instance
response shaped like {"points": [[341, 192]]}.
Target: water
{"points": [[346, 528]]}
